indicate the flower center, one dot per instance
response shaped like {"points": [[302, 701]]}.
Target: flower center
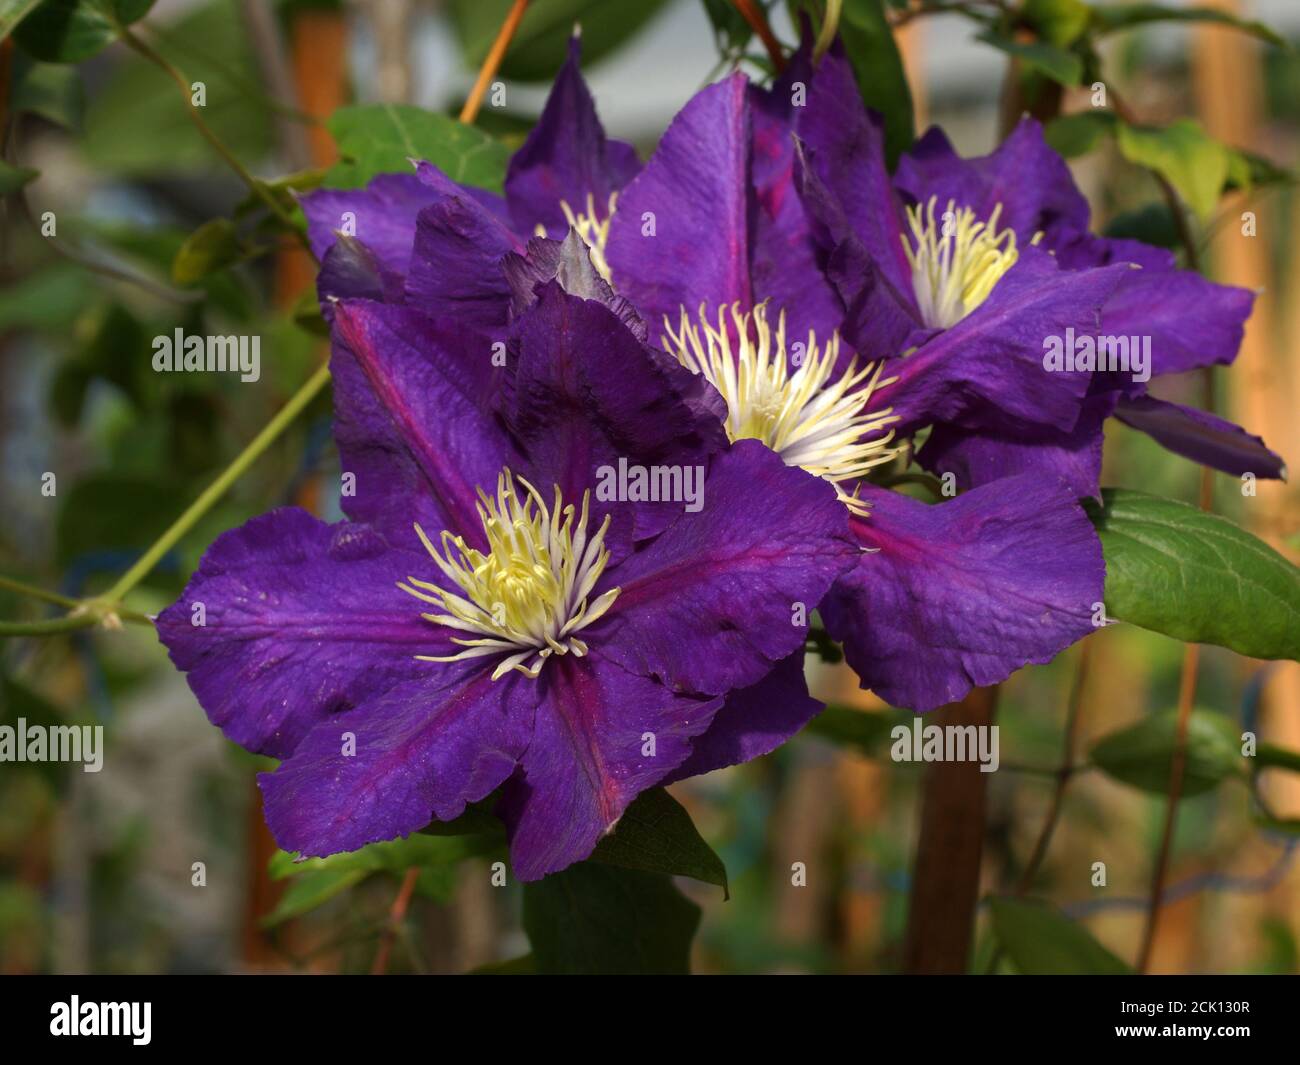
{"points": [[956, 263], [593, 229], [527, 597], [810, 417]]}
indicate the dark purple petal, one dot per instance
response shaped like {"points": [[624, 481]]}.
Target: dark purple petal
{"points": [[586, 393], [351, 271], [695, 189], [587, 758], [987, 371], [423, 749], [711, 604], [1192, 322], [1202, 437], [786, 265], [965, 592], [301, 620], [1072, 456], [845, 150], [1078, 250], [1030, 180], [566, 157], [412, 422], [753, 721], [381, 216], [455, 270], [567, 262]]}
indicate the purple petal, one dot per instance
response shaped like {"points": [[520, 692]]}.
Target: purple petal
{"points": [[351, 271], [422, 750], [587, 758], [566, 157], [455, 270], [965, 592], [1072, 456], [710, 605], [382, 216], [1192, 322], [302, 619], [411, 418], [1202, 437], [567, 262], [753, 721], [786, 263], [696, 189], [1030, 180], [587, 393], [846, 152], [987, 370]]}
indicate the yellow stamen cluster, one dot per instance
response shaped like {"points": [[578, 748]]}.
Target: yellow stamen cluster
{"points": [[528, 596], [591, 227], [809, 417], [956, 263]]}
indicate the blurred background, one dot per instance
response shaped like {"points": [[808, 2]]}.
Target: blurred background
{"points": [[96, 869]]}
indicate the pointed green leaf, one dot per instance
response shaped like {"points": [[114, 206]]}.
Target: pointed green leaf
{"points": [[1174, 569], [1191, 160], [383, 138], [657, 835], [600, 919], [68, 31], [1142, 754], [1041, 940]]}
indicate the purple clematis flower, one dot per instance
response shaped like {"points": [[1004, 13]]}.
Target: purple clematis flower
{"points": [[489, 616], [949, 243], [714, 245], [566, 174]]}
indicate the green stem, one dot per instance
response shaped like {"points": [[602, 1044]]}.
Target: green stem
{"points": [[218, 488], [256, 187], [52, 627], [31, 590]]}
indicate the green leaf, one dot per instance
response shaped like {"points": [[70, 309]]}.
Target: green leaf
{"points": [[68, 31], [1109, 18], [1058, 22], [211, 247], [1078, 134], [383, 138], [1142, 754], [51, 90], [600, 919], [1049, 60], [13, 178], [13, 12], [657, 835], [1247, 171], [1185, 155], [1152, 224], [868, 731], [878, 68], [541, 43], [1197, 577], [137, 122], [311, 890], [1041, 940]]}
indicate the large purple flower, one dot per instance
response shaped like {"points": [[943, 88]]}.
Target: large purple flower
{"points": [[566, 174], [713, 244], [925, 259], [494, 613]]}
